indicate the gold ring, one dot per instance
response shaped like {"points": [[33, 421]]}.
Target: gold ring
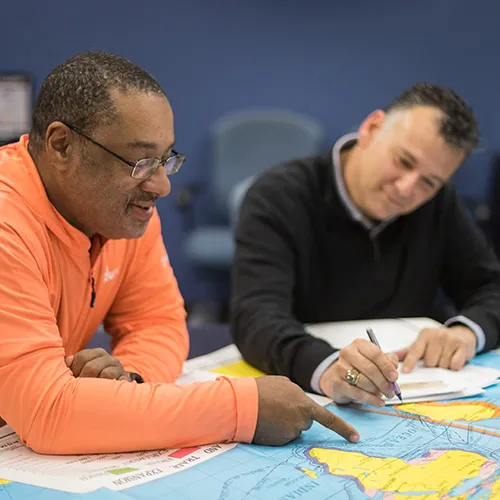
{"points": [[352, 376]]}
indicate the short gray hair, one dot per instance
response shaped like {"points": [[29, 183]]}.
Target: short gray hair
{"points": [[77, 91]]}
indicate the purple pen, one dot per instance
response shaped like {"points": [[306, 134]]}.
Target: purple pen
{"points": [[374, 340]]}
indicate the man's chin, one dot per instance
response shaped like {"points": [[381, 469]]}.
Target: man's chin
{"points": [[389, 211], [382, 213], [134, 233], [126, 233]]}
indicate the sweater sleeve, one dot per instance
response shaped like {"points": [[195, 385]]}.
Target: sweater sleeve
{"points": [[147, 319], [263, 323], [470, 270], [54, 412]]}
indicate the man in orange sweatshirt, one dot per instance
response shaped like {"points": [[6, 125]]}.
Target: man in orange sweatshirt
{"points": [[80, 244]]}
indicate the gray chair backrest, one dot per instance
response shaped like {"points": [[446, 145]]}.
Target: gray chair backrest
{"points": [[236, 198], [248, 142]]}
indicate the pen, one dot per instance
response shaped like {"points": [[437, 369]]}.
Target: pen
{"points": [[374, 340]]}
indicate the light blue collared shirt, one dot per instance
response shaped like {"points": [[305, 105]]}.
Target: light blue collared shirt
{"points": [[374, 229]]}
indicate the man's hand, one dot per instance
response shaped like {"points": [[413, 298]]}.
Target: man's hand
{"points": [[285, 411], [444, 347], [96, 363], [376, 372]]}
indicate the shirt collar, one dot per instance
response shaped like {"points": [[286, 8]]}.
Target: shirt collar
{"points": [[352, 209]]}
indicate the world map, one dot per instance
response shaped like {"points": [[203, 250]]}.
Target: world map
{"points": [[440, 450]]}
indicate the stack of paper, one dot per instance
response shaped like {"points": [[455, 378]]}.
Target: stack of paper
{"points": [[422, 384], [433, 384]]}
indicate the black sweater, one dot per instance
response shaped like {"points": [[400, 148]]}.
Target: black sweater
{"points": [[300, 258]]}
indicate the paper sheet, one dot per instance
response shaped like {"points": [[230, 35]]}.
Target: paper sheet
{"points": [[437, 397], [429, 384], [86, 473], [433, 384], [392, 334]]}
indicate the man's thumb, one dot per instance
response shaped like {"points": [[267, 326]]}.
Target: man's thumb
{"points": [[69, 360]]}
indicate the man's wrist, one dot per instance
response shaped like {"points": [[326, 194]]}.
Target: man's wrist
{"points": [[323, 382], [467, 332], [320, 370], [462, 320], [135, 377]]}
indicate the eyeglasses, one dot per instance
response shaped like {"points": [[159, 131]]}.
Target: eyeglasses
{"points": [[145, 168]]}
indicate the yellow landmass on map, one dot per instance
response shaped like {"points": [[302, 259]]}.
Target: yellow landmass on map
{"points": [[470, 411], [238, 369], [495, 490], [432, 475], [4, 481], [310, 473]]}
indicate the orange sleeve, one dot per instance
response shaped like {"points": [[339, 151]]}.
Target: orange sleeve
{"points": [[53, 412], [147, 319]]}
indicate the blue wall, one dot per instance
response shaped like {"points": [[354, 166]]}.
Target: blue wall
{"points": [[335, 60]]}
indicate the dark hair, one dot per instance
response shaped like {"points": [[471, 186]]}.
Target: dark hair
{"points": [[78, 91], [458, 125]]}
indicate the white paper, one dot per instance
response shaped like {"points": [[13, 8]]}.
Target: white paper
{"points": [[221, 357], [481, 376], [86, 473], [472, 391], [433, 384], [470, 375], [392, 334]]}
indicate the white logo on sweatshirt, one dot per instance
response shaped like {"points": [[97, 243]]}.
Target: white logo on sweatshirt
{"points": [[109, 275]]}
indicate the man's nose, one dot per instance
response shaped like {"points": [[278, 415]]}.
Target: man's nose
{"points": [[159, 183], [406, 184]]}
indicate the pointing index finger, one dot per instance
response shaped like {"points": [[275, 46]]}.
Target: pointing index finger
{"points": [[331, 421]]}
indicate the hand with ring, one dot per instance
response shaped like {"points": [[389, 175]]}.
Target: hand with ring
{"points": [[352, 376], [361, 374]]}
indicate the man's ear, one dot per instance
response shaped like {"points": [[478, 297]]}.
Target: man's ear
{"points": [[59, 144], [370, 126]]}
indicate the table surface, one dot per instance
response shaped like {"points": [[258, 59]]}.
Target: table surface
{"points": [[405, 451]]}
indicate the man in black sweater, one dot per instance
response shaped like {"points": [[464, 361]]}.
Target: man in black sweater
{"points": [[370, 230]]}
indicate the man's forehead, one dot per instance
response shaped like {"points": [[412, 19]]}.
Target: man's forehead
{"points": [[417, 135], [145, 121], [141, 103], [150, 145], [419, 130], [423, 119]]}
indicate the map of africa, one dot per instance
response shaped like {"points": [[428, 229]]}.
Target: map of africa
{"points": [[441, 450]]}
